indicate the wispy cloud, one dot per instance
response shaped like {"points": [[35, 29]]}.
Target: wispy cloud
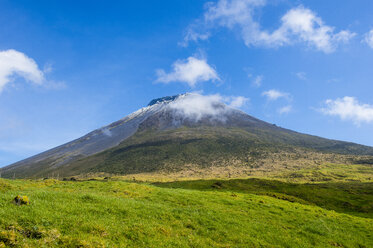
{"points": [[106, 131], [368, 38], [13, 63], [333, 80], [257, 82], [192, 35], [301, 75], [299, 24], [190, 71], [349, 108], [273, 94], [286, 109]]}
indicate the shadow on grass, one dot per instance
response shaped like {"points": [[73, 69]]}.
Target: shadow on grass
{"points": [[354, 198]]}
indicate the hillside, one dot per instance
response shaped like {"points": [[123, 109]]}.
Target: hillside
{"points": [[185, 132], [244, 213]]}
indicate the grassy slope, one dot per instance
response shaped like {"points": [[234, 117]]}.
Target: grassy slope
{"points": [[355, 198], [122, 214], [171, 150], [150, 151], [339, 187]]}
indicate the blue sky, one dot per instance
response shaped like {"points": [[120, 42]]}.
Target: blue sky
{"points": [[68, 67]]}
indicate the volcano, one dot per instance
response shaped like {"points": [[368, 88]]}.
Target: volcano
{"points": [[186, 131]]}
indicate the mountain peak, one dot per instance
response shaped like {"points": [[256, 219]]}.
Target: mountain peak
{"points": [[172, 130], [164, 99]]}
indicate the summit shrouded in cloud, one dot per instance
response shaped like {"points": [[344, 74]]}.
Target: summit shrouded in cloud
{"points": [[108, 109], [196, 106], [63, 73], [174, 132]]}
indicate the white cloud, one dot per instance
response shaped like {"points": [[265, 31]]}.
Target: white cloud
{"points": [[55, 85], [349, 108], [237, 101], [106, 131], [229, 13], [368, 38], [48, 67], [190, 71], [333, 80], [192, 35], [257, 82], [195, 106], [13, 63], [301, 24], [343, 36], [286, 109], [273, 95], [301, 75], [297, 25]]}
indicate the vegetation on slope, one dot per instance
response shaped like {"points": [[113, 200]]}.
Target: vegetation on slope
{"points": [[200, 148], [122, 214], [354, 198]]}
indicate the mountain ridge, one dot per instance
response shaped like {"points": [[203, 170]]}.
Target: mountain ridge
{"points": [[180, 120]]}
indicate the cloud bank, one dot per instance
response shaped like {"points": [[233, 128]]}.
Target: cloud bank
{"points": [[195, 106], [190, 71], [349, 108], [13, 63], [298, 25]]}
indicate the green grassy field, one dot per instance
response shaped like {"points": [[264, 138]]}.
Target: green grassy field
{"points": [[225, 213], [354, 198]]}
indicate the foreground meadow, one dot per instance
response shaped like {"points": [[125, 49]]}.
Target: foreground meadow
{"points": [[225, 213]]}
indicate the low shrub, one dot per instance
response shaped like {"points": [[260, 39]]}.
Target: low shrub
{"points": [[21, 200]]}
